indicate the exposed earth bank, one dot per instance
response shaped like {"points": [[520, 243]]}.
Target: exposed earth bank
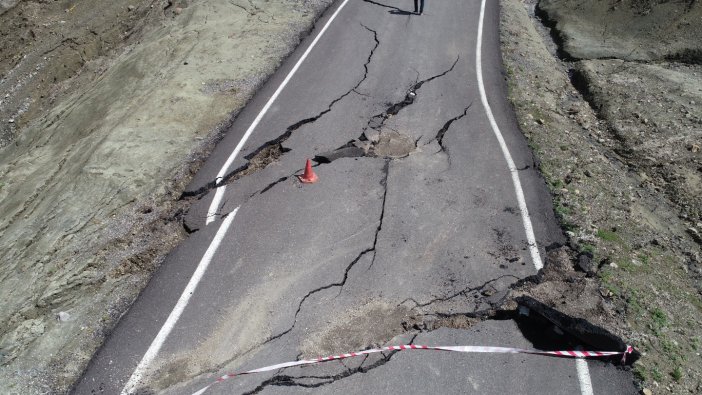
{"points": [[609, 94], [105, 111]]}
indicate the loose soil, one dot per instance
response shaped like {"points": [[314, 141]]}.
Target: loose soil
{"points": [[106, 110], [612, 110]]}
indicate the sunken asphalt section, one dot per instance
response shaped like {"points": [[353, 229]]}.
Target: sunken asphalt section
{"points": [[413, 227]]}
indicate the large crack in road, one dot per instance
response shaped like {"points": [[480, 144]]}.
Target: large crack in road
{"points": [[377, 121], [392, 109], [273, 149], [350, 266], [295, 381]]}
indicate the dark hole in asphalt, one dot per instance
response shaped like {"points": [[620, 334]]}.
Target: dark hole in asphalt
{"points": [[548, 329]]}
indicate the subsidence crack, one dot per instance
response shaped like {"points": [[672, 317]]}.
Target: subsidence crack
{"points": [[440, 134], [341, 283], [377, 121], [462, 292], [292, 381], [272, 150]]}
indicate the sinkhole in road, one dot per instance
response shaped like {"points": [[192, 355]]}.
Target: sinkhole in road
{"points": [[544, 327], [388, 144]]}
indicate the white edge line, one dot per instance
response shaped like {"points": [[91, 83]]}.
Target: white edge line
{"points": [[212, 211], [581, 364], [167, 327], [526, 219], [584, 377]]}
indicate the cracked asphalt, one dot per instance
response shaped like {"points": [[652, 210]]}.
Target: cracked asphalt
{"points": [[413, 224]]}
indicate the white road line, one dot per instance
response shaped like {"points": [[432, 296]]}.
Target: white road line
{"points": [[219, 193], [526, 220], [581, 364], [584, 377], [167, 327]]}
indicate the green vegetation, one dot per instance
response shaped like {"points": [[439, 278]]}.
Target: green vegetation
{"points": [[557, 183], [695, 301], [640, 372], [676, 374], [656, 375], [645, 259], [634, 303], [609, 282], [561, 210], [587, 248], [659, 319], [668, 346], [607, 235]]}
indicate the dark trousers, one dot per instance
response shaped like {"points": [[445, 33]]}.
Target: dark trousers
{"points": [[419, 6]]}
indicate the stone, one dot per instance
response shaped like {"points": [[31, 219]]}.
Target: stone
{"points": [[178, 11], [586, 263], [646, 391], [695, 234], [131, 8], [63, 316]]}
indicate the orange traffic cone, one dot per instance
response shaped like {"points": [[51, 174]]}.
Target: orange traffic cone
{"points": [[308, 177]]}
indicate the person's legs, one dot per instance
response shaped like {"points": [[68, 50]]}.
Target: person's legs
{"points": [[416, 6], [421, 6]]}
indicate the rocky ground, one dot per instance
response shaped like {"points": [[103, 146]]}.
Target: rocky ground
{"points": [[105, 111], [609, 95]]}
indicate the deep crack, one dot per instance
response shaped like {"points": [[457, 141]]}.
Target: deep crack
{"points": [[291, 381], [386, 169], [271, 185], [463, 292], [350, 266], [440, 134], [272, 150], [377, 121]]}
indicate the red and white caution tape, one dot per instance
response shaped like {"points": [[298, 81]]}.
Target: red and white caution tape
{"points": [[464, 349]]}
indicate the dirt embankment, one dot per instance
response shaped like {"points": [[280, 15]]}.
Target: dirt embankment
{"points": [[609, 94], [106, 108]]}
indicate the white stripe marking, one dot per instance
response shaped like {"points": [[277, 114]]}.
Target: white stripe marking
{"points": [[219, 193], [533, 248], [584, 377], [167, 327], [581, 365]]}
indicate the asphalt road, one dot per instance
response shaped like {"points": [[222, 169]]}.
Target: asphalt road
{"points": [[417, 218]]}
